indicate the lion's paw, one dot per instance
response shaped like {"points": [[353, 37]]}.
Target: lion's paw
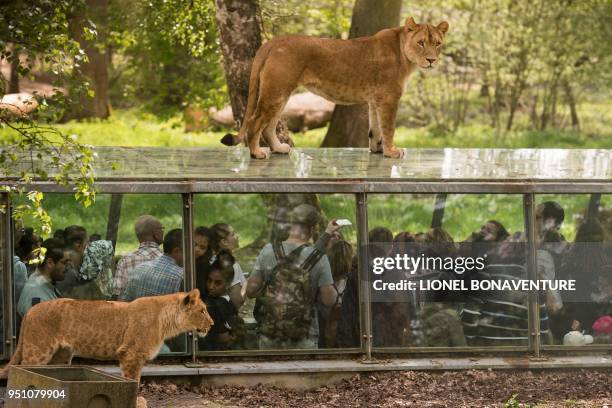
{"points": [[376, 147], [282, 148], [261, 153], [141, 402], [395, 153]]}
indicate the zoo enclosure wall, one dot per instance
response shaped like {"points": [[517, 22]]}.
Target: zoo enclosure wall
{"points": [[362, 189]]}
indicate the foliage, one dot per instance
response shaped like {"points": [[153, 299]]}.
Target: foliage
{"points": [[512, 402], [31, 32], [322, 18], [166, 54], [536, 58]]}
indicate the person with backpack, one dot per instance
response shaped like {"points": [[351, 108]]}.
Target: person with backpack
{"points": [[289, 278]]}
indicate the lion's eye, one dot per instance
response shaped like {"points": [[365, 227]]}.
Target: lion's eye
{"points": [[421, 43], [438, 44]]}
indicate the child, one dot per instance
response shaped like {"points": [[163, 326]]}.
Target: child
{"points": [[227, 324]]}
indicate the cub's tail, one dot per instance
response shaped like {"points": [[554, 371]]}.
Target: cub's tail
{"points": [[258, 63], [17, 356]]}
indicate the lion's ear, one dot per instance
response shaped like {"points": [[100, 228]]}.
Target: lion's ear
{"points": [[443, 27], [191, 297], [410, 24]]}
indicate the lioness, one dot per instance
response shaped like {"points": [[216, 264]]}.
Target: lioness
{"points": [[372, 70], [53, 332]]}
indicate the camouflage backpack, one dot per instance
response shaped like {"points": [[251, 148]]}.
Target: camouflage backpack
{"points": [[286, 307]]}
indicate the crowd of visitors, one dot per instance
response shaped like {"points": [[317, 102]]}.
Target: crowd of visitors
{"points": [[500, 318], [305, 287]]}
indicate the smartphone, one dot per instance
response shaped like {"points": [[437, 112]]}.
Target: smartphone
{"points": [[342, 222]]}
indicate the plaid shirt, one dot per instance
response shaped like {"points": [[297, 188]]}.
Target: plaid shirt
{"points": [[160, 276], [147, 251]]}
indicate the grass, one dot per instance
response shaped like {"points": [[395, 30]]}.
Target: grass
{"points": [[464, 213], [136, 128]]}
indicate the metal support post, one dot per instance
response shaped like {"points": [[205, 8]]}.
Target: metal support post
{"points": [[532, 273], [365, 308], [188, 261], [6, 253]]}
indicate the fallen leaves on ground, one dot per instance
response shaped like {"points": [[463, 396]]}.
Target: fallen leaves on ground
{"points": [[473, 388]]}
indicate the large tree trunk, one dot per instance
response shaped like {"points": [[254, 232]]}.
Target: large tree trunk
{"points": [[240, 34], [349, 124], [96, 69]]}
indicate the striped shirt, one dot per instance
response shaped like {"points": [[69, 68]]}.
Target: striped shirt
{"points": [[147, 251], [500, 317], [160, 276]]}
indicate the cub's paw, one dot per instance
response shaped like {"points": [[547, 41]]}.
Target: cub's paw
{"points": [[261, 153], [395, 153], [282, 148], [141, 402]]}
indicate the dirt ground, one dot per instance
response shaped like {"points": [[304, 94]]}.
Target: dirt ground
{"points": [[577, 388]]}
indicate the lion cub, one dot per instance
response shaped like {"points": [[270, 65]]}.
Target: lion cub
{"points": [[53, 332], [372, 70]]}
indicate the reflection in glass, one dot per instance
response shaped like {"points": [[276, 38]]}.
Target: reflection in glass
{"points": [[117, 249], [299, 265], [429, 301], [582, 251]]}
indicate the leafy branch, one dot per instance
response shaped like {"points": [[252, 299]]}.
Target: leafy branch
{"points": [[39, 32]]}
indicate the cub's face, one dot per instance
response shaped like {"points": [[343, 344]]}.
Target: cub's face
{"points": [[423, 43], [195, 317]]}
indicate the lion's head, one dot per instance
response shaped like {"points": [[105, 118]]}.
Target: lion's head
{"points": [[423, 42], [193, 314]]}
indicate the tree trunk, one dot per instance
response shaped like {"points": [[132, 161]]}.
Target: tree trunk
{"points": [[484, 90], [533, 115], [549, 101], [518, 86], [513, 106], [114, 216], [240, 36], [497, 102], [571, 101], [349, 124], [96, 69]]}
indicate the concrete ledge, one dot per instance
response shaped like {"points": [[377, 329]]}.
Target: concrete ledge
{"points": [[354, 366]]}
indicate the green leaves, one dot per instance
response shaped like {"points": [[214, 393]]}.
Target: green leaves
{"points": [[526, 57], [169, 54], [323, 18], [34, 150]]}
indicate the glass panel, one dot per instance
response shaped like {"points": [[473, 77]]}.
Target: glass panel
{"points": [[575, 245], [438, 265], [149, 163], [265, 285], [110, 251]]}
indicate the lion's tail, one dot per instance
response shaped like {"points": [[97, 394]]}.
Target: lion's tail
{"points": [[258, 63], [17, 355]]}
